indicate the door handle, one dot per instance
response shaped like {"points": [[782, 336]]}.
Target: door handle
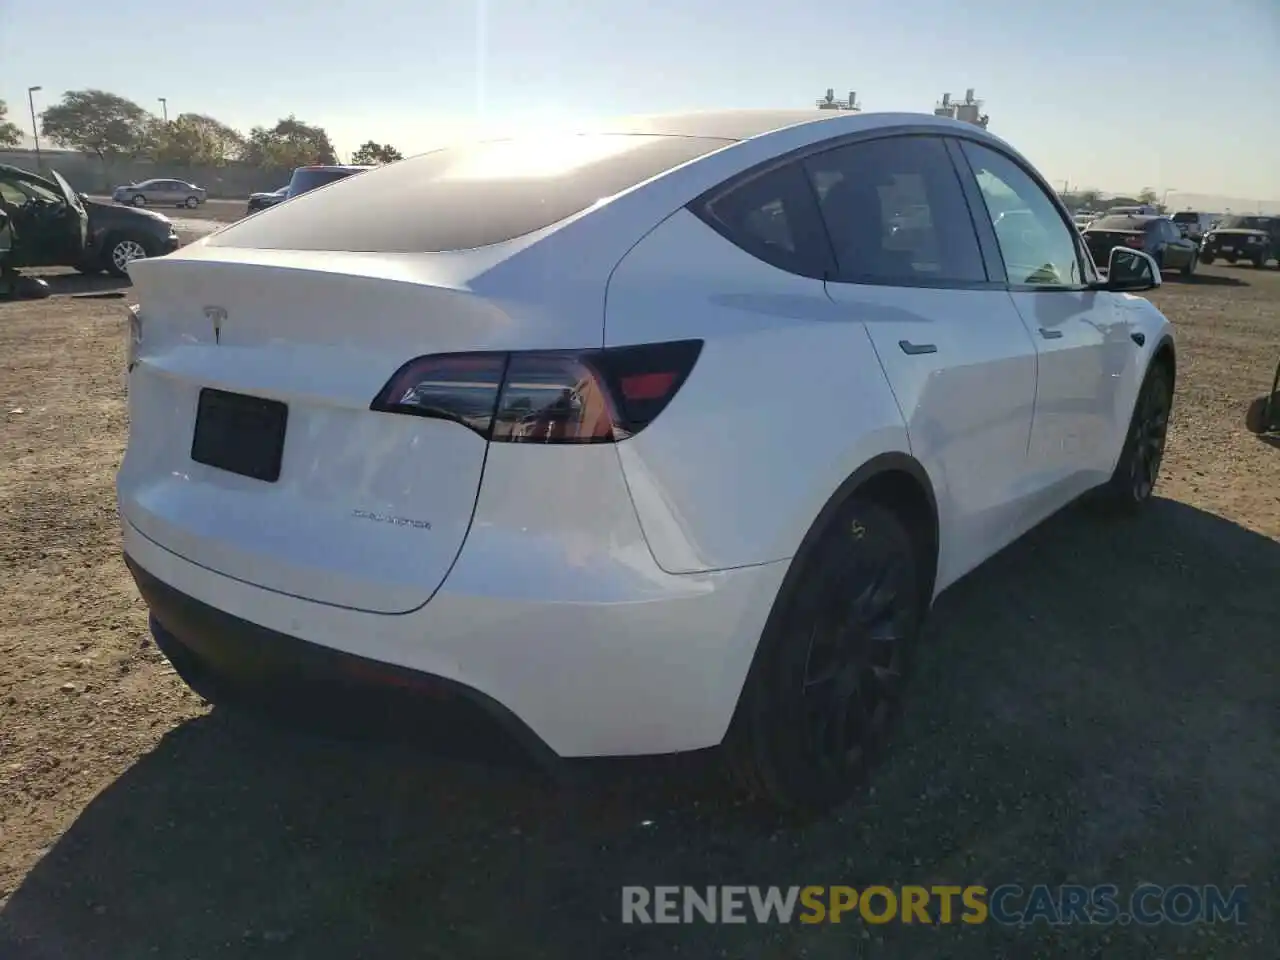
{"points": [[912, 349], [1050, 334]]}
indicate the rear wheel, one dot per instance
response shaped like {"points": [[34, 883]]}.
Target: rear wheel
{"points": [[1260, 261], [829, 673], [1134, 479], [193, 202], [139, 200], [1208, 258]]}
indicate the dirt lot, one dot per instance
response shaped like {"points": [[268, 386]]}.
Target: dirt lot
{"points": [[1097, 704]]}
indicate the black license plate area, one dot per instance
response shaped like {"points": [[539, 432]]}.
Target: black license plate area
{"points": [[240, 434]]}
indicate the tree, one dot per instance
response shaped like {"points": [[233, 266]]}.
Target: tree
{"points": [[290, 143], [10, 134], [1089, 198], [372, 152], [197, 140], [1146, 195], [101, 123]]}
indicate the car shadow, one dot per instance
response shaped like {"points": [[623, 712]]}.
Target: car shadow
{"points": [[1202, 279], [1095, 702], [81, 285]]}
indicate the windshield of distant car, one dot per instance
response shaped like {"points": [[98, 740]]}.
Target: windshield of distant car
{"points": [[468, 196], [1246, 223], [1186, 217]]}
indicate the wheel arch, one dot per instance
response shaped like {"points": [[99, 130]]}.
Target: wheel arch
{"points": [[892, 479], [1166, 353]]}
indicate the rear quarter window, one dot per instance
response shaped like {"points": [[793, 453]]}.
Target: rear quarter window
{"points": [[464, 197]]}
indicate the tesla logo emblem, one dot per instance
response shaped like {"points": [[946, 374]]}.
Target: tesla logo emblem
{"points": [[217, 316]]}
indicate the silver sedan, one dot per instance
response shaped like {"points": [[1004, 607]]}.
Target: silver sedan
{"points": [[176, 193]]}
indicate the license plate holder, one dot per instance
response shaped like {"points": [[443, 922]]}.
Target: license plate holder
{"points": [[240, 434]]}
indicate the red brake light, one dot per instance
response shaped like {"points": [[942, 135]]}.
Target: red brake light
{"points": [[1133, 240], [552, 396]]}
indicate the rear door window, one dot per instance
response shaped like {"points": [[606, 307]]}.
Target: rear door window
{"points": [[468, 196], [896, 213]]}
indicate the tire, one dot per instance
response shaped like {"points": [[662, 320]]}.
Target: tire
{"points": [[1207, 259], [840, 637], [1190, 269], [1134, 479], [120, 250], [138, 200], [1260, 262], [192, 202], [1232, 260]]}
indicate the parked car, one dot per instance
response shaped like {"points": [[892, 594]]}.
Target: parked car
{"points": [[1235, 238], [56, 227], [1194, 225], [309, 177], [1156, 236], [627, 439], [161, 193], [260, 201]]}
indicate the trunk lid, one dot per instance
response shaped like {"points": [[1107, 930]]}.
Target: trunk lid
{"points": [[369, 509]]}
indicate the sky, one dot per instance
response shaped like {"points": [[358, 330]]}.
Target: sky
{"points": [[1110, 94]]}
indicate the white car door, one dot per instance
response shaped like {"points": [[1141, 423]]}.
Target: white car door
{"points": [[957, 356], [1086, 357]]}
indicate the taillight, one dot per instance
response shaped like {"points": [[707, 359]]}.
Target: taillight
{"points": [[1133, 241], [544, 396]]}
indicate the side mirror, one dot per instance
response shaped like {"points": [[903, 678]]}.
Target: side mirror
{"points": [[1132, 271]]}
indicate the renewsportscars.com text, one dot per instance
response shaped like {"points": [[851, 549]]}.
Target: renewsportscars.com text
{"points": [[1007, 904]]}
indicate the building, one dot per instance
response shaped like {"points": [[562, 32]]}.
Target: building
{"points": [[829, 102], [969, 109]]}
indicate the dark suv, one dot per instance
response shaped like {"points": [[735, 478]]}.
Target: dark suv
{"points": [[53, 226], [308, 178], [1255, 239]]}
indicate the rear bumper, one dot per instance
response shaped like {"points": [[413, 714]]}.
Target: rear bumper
{"points": [[230, 659], [656, 671]]}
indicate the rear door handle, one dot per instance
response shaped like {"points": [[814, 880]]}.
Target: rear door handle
{"points": [[1050, 334], [911, 349]]}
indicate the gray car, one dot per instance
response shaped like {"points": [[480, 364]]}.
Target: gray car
{"points": [[162, 193]]}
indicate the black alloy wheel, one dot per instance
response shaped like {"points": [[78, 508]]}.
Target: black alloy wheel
{"points": [[828, 677]]}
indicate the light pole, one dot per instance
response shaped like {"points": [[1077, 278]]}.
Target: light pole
{"points": [[1165, 196], [164, 104], [35, 131]]}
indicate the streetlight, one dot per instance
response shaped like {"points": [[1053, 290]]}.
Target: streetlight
{"points": [[1165, 196], [35, 131], [165, 104]]}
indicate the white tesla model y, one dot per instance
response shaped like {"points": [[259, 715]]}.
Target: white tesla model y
{"points": [[644, 439]]}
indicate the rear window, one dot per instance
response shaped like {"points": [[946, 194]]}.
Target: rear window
{"points": [[1246, 223], [1186, 218], [468, 196], [1119, 223], [304, 180]]}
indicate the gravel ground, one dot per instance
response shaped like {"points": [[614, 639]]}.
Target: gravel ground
{"points": [[1096, 704]]}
